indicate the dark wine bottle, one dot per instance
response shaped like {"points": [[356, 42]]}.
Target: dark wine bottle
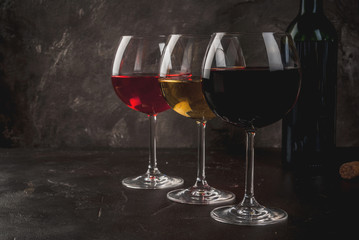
{"points": [[308, 131]]}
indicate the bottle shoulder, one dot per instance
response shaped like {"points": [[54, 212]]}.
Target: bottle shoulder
{"points": [[312, 27]]}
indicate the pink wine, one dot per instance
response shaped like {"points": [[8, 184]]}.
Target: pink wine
{"points": [[141, 93]]}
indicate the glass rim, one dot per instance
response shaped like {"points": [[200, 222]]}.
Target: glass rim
{"points": [[144, 36], [189, 35], [251, 33]]}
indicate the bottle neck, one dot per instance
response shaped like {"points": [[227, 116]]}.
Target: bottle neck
{"points": [[311, 7]]}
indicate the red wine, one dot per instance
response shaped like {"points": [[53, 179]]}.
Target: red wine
{"points": [[141, 93], [251, 97]]}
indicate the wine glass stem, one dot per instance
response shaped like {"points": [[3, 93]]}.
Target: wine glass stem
{"points": [[152, 164], [201, 162], [249, 199]]}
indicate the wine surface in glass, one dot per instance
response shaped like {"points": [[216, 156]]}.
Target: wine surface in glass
{"points": [[251, 97], [186, 97], [141, 93]]}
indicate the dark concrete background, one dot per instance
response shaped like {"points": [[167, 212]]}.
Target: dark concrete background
{"points": [[56, 57]]}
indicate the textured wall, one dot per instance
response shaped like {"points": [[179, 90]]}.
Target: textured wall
{"points": [[56, 57]]}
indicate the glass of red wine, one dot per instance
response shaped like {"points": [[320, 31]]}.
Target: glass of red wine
{"points": [[180, 79], [251, 81], [135, 81]]}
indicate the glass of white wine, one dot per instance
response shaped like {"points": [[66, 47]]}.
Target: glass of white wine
{"points": [[181, 85]]}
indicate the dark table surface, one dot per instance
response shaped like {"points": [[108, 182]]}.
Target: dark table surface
{"points": [[77, 194]]}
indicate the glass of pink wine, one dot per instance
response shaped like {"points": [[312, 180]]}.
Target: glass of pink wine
{"points": [[180, 79], [250, 81], [135, 81]]}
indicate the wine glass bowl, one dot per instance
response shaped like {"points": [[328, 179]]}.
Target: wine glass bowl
{"points": [[251, 81], [181, 84], [262, 90], [180, 76], [135, 81]]}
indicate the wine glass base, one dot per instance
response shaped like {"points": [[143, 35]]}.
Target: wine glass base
{"points": [[200, 195], [152, 181], [249, 216]]}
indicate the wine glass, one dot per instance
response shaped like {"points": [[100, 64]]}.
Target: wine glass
{"points": [[135, 81], [251, 81], [180, 79]]}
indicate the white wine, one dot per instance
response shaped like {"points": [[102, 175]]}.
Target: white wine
{"points": [[186, 98]]}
